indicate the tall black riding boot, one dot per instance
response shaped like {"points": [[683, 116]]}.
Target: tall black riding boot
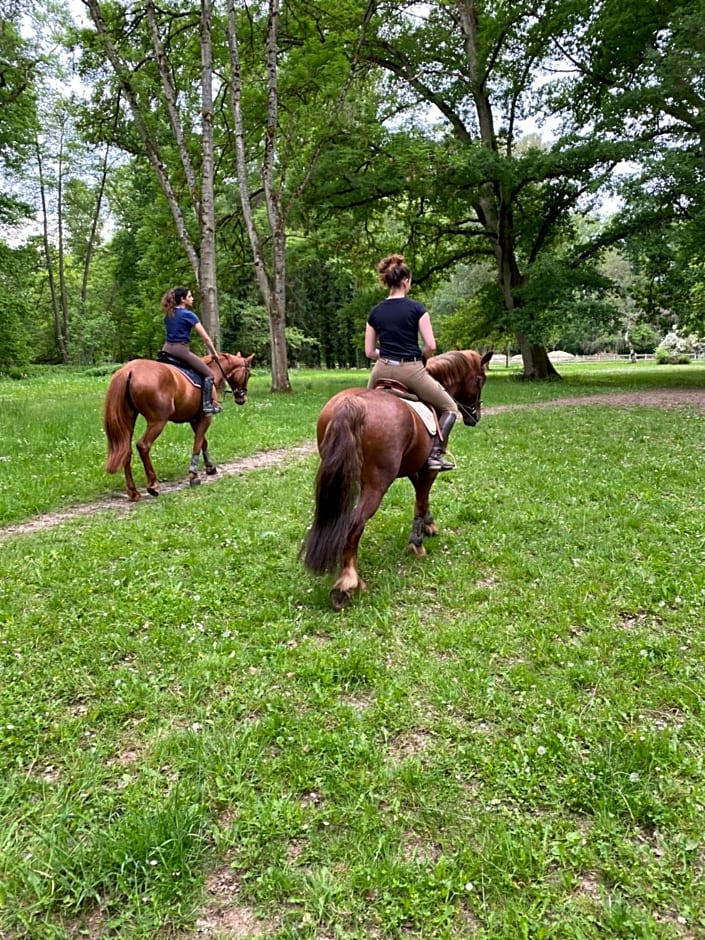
{"points": [[208, 406], [436, 460]]}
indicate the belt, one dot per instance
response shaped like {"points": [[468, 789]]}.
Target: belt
{"points": [[399, 362]]}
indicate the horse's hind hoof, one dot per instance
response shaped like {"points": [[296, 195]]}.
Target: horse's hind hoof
{"points": [[417, 550], [153, 491], [339, 599], [211, 471]]}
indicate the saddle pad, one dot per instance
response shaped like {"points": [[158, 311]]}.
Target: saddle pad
{"points": [[425, 413], [193, 377]]}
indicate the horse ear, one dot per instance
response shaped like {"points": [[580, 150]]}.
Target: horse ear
{"points": [[487, 357], [251, 357]]}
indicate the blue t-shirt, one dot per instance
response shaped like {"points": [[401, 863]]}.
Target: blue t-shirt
{"points": [[178, 327], [396, 323]]}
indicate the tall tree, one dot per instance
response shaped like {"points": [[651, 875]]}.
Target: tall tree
{"points": [[116, 31], [18, 116], [663, 214], [271, 279], [463, 78]]}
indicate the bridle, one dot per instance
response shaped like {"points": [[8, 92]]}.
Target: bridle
{"points": [[239, 391], [470, 412]]}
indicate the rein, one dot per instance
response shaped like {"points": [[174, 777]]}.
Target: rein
{"points": [[237, 390], [469, 411], [220, 367], [455, 377]]}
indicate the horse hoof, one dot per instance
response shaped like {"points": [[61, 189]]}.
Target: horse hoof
{"points": [[153, 491], [417, 550], [194, 481], [339, 599], [211, 471]]}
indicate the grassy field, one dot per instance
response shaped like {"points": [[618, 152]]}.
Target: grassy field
{"points": [[501, 740]]}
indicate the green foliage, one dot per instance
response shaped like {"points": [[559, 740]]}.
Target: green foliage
{"points": [[18, 116], [319, 303], [644, 338], [246, 329], [475, 320], [386, 156], [17, 266]]}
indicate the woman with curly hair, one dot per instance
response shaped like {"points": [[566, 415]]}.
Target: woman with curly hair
{"points": [[179, 320]]}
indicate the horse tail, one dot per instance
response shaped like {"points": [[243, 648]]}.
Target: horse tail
{"points": [[118, 421], [337, 488]]}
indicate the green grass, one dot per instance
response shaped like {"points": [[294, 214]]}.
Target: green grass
{"points": [[52, 446], [501, 740]]}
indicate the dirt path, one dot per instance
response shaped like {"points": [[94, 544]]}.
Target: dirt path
{"points": [[663, 398], [270, 458]]}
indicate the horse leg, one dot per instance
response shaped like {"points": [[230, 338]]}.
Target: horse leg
{"points": [[207, 462], [144, 445], [133, 494], [200, 426], [423, 523], [349, 579]]}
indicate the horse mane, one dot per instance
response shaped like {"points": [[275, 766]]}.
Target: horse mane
{"points": [[452, 367]]}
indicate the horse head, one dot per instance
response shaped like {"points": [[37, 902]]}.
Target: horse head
{"points": [[463, 374], [235, 370]]}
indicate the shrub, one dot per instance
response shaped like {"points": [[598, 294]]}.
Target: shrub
{"points": [[14, 372]]}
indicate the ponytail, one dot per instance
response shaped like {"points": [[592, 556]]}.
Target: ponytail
{"points": [[172, 299]]}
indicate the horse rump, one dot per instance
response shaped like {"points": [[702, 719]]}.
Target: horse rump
{"points": [[337, 488]]}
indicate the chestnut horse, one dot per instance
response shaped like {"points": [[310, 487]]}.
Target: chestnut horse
{"points": [[162, 393], [367, 438]]}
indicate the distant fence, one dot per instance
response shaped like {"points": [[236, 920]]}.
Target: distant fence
{"points": [[500, 360]]}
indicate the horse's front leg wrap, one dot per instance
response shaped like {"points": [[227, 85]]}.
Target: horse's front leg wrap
{"points": [[193, 471], [417, 532]]}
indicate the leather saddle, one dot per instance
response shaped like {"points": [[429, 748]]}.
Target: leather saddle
{"points": [[179, 364], [425, 412]]}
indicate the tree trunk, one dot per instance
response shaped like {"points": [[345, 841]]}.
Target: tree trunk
{"points": [[537, 365], [93, 236], [63, 295], [208, 273], [55, 306], [277, 314], [272, 291]]}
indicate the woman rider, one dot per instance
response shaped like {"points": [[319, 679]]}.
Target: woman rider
{"points": [[392, 339], [179, 320]]}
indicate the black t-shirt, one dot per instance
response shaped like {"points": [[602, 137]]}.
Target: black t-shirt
{"points": [[396, 323]]}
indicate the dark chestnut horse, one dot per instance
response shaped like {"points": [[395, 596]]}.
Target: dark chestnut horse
{"points": [[366, 439], [161, 393]]}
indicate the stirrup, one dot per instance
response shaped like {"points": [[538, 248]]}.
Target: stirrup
{"points": [[438, 461], [212, 408]]}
